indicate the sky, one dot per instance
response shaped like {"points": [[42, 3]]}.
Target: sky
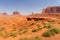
{"points": [[26, 6]]}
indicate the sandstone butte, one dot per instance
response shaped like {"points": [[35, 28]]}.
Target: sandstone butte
{"points": [[16, 20]]}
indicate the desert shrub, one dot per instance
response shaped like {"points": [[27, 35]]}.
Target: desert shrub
{"points": [[22, 30], [13, 33], [25, 30], [47, 34], [35, 38], [32, 38], [34, 30], [24, 39], [51, 32], [2, 28], [55, 30], [39, 27], [47, 25]]}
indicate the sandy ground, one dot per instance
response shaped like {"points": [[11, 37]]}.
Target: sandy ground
{"points": [[9, 22]]}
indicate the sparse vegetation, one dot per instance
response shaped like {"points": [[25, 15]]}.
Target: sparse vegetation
{"points": [[47, 34], [55, 30], [51, 32], [47, 25], [25, 30], [32, 38], [39, 27], [22, 30], [13, 32], [35, 38], [34, 30]]}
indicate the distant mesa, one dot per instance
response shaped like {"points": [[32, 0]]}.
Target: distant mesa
{"points": [[32, 13], [4, 13], [54, 9], [16, 13]]}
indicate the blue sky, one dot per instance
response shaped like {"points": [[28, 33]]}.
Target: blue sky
{"points": [[26, 6]]}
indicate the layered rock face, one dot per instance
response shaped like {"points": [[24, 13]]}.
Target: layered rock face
{"points": [[54, 9]]}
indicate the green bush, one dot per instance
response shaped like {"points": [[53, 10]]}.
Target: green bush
{"points": [[55, 30], [47, 25], [47, 34], [51, 32]]}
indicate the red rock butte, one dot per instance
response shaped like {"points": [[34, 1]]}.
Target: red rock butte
{"points": [[51, 10]]}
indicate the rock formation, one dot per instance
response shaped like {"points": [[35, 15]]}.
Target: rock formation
{"points": [[54, 9], [16, 13]]}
